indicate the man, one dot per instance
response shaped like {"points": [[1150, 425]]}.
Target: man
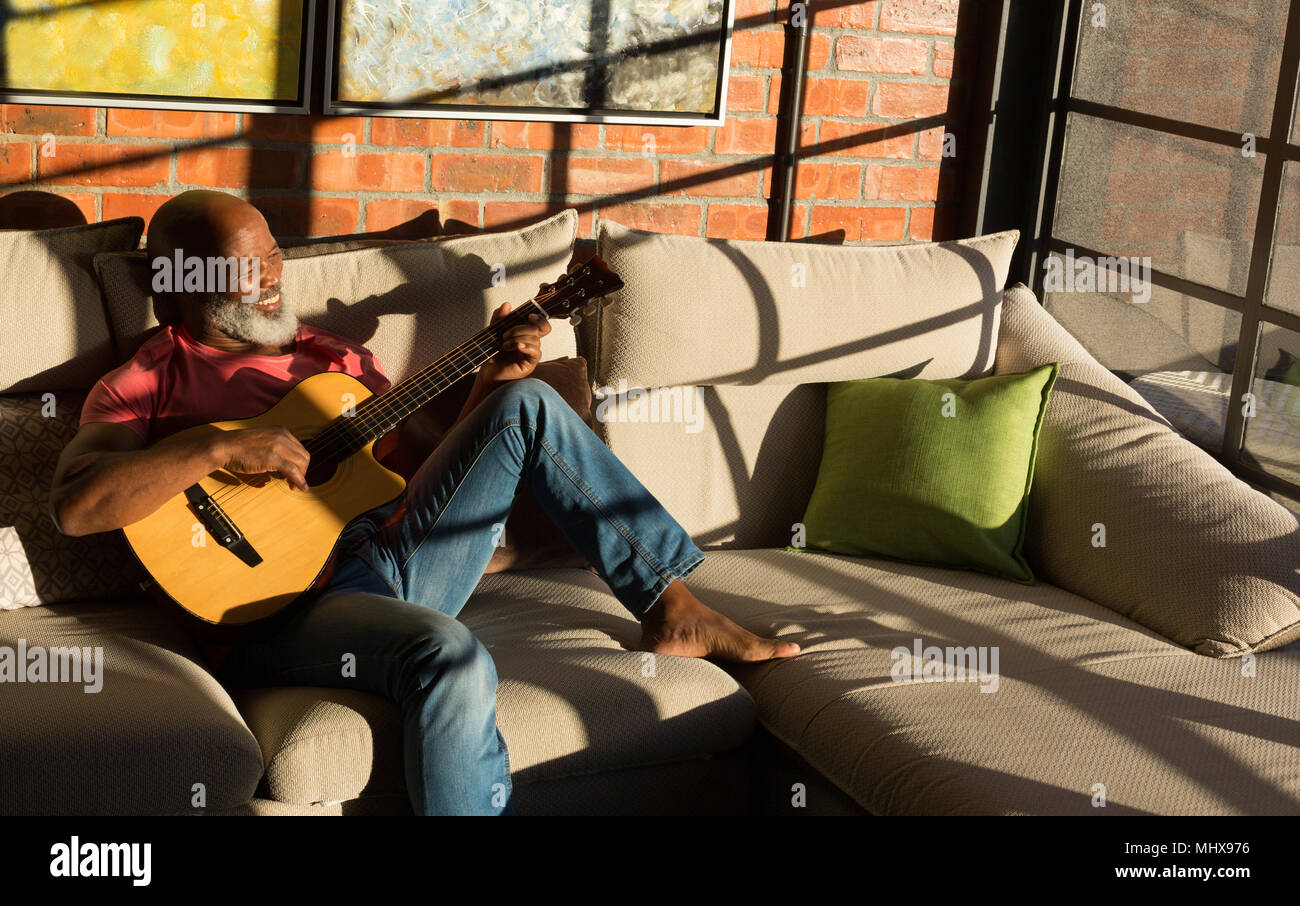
{"points": [[403, 571]]}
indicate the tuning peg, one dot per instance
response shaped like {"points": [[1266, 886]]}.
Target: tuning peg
{"points": [[575, 317], [590, 308]]}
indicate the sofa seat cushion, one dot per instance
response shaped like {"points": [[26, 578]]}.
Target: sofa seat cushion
{"points": [[1084, 697], [159, 724], [571, 700]]}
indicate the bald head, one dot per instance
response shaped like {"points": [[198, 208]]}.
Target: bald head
{"points": [[217, 269]]}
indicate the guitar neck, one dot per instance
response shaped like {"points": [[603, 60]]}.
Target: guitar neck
{"points": [[380, 414]]}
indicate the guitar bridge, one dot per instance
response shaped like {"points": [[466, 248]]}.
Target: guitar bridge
{"points": [[220, 526]]}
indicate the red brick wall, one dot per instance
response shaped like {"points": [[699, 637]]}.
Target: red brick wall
{"points": [[875, 69]]}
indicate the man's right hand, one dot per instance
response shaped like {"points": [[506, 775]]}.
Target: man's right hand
{"points": [[258, 451]]}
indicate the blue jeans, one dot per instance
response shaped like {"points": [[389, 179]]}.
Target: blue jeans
{"points": [[385, 621]]}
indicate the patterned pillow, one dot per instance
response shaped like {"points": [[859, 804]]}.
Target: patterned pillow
{"points": [[38, 565]]}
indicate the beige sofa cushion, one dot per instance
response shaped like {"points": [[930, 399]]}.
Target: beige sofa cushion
{"points": [[159, 725], [712, 311], [38, 565], [571, 701], [1190, 551], [407, 302], [55, 333], [1083, 697]]}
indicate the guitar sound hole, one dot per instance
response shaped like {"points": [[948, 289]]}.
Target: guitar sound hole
{"points": [[321, 471]]}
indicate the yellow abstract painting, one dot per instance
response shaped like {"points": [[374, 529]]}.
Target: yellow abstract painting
{"points": [[237, 49]]}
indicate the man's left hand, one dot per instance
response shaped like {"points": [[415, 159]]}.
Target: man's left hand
{"points": [[521, 350]]}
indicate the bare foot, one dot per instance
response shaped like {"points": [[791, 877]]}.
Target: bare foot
{"points": [[680, 624]]}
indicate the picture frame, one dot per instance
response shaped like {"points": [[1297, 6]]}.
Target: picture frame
{"points": [[338, 100], [302, 19]]}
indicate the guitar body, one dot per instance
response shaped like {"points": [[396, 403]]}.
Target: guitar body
{"points": [[293, 532]]}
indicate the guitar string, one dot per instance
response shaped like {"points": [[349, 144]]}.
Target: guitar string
{"points": [[341, 433]]}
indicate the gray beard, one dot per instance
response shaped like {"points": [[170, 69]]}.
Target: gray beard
{"points": [[243, 322]]}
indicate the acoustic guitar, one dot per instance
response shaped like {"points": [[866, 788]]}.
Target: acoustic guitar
{"points": [[233, 549]]}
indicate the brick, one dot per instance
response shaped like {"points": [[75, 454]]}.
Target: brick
{"points": [[924, 17], [459, 215], [486, 173], [932, 224], [39, 120], [133, 204], [544, 136], [672, 172], [753, 12], [746, 94], [602, 176], [367, 171], [105, 165], [458, 133], [902, 100], [759, 48], [387, 213], [662, 139], [503, 215], [657, 217], [236, 167], [311, 216], [283, 127], [819, 51], [836, 181], [835, 97], [736, 221], [863, 140], [1224, 110], [388, 130], [170, 123], [15, 163], [929, 145], [849, 15], [903, 56], [904, 183], [85, 203], [944, 53], [774, 94], [871, 224], [751, 135]]}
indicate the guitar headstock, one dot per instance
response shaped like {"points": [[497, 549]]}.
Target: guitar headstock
{"points": [[581, 291]]}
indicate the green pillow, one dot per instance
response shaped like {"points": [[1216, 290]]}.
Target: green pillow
{"points": [[933, 472]]}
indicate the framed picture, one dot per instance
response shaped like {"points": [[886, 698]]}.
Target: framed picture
{"points": [[616, 61], [250, 55]]}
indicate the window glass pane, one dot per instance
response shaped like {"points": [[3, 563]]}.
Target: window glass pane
{"points": [[1199, 61], [1284, 275], [1273, 431], [1189, 206], [1176, 351]]}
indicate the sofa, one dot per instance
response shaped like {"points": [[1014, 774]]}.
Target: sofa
{"points": [[1155, 673]]}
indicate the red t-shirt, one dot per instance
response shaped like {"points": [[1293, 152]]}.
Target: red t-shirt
{"points": [[175, 382]]}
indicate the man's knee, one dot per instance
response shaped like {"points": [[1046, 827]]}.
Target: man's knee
{"points": [[440, 652], [528, 396]]}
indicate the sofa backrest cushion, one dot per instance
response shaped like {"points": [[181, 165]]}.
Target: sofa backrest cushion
{"points": [[56, 336], [38, 565], [743, 335], [407, 302], [1130, 514]]}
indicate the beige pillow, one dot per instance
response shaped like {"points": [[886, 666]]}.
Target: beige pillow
{"points": [[55, 333], [713, 311], [1190, 551], [407, 302]]}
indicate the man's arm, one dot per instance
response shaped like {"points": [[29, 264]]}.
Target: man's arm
{"points": [[106, 478]]}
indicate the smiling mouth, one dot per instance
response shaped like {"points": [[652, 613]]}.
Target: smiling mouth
{"points": [[269, 304]]}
